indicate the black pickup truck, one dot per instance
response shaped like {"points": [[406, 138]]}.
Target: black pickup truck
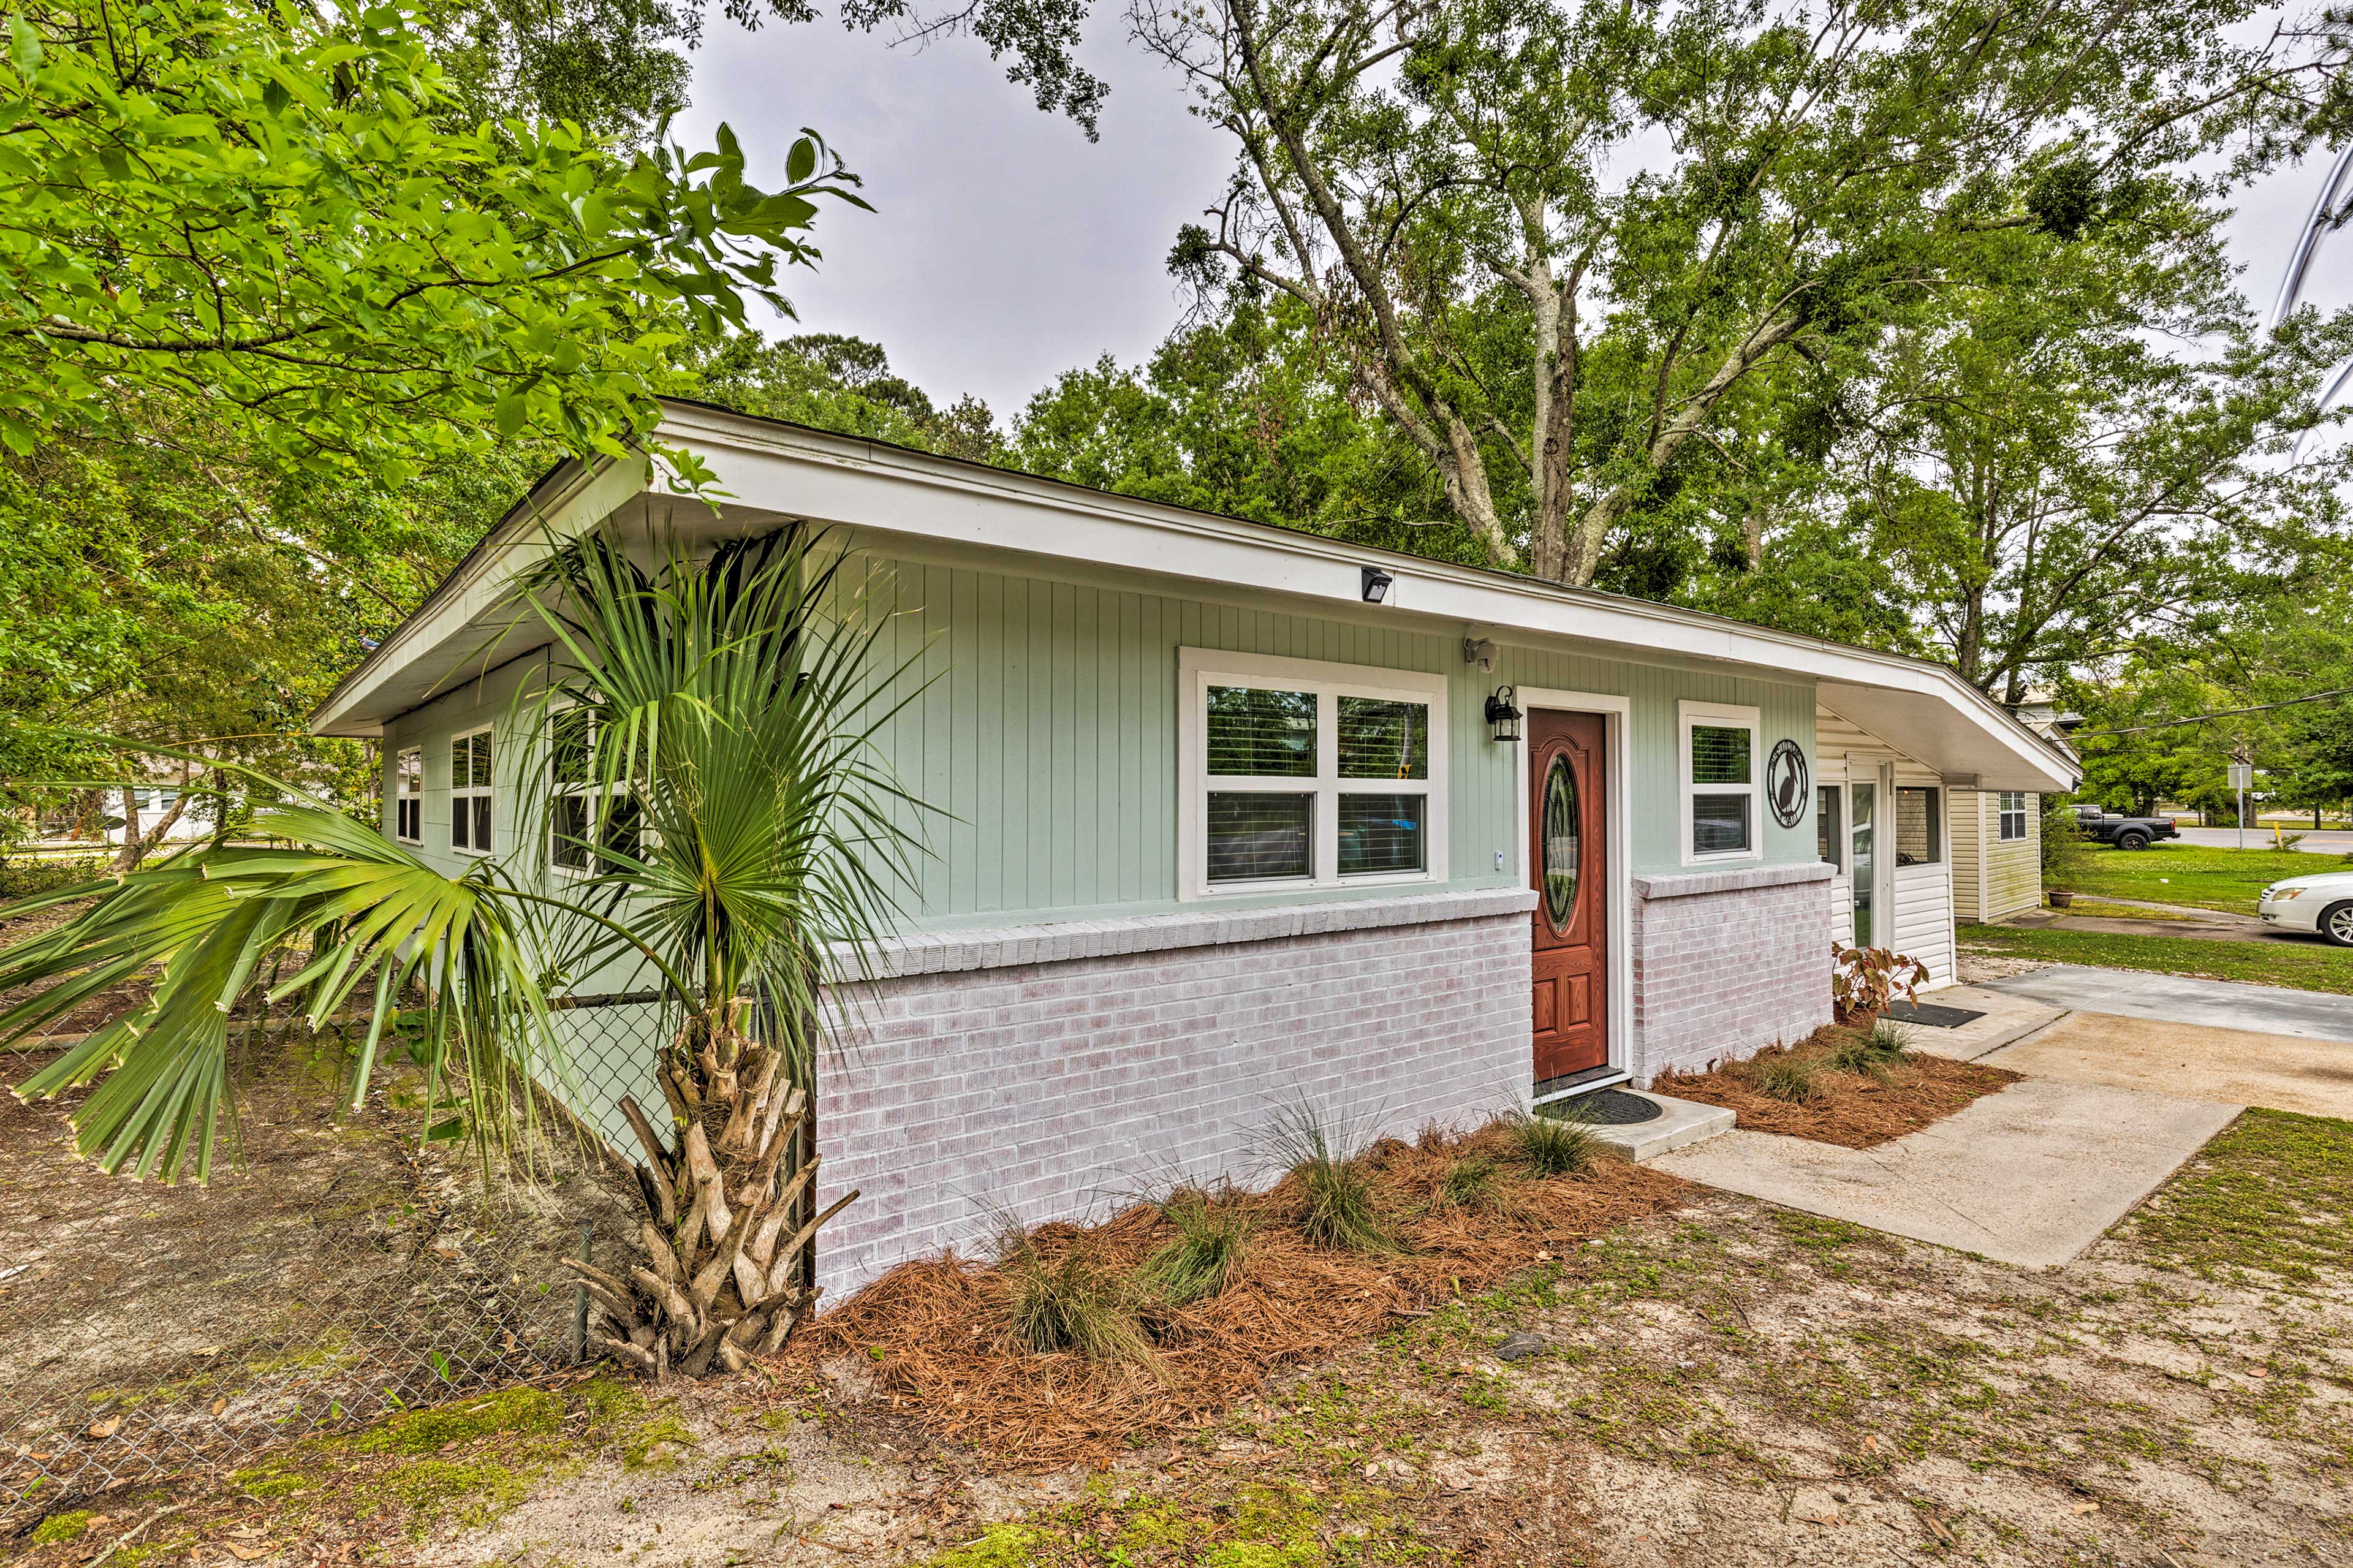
{"points": [[2123, 832]]}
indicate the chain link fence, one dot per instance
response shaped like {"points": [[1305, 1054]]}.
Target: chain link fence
{"points": [[341, 1267]]}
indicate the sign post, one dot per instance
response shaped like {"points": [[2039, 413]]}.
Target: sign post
{"points": [[2242, 779]]}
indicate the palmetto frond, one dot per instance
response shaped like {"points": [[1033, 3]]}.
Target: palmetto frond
{"points": [[344, 907]]}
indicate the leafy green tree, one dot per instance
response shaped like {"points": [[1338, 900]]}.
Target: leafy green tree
{"points": [[266, 213], [1443, 190], [835, 383], [2056, 480]]}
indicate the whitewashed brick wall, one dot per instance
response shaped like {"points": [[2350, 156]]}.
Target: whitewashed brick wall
{"points": [[1048, 1071], [1728, 963]]}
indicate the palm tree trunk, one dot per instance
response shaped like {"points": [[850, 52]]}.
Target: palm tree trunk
{"points": [[723, 1274]]}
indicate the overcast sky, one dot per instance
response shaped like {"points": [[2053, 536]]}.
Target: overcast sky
{"points": [[1006, 247]]}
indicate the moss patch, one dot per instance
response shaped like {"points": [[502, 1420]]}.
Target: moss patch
{"points": [[460, 1464], [60, 1528], [2272, 1194], [524, 1412]]}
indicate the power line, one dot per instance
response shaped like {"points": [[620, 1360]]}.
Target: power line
{"points": [[2205, 718]]}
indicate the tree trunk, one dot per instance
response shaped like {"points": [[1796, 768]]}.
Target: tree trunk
{"points": [[135, 844], [729, 1202]]}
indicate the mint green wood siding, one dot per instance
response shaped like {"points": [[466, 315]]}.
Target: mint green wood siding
{"points": [[1047, 733], [1040, 720]]}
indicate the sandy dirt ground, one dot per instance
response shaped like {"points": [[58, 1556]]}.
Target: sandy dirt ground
{"points": [[1728, 1384]]}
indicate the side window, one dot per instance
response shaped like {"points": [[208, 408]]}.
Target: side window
{"points": [[2013, 815], [470, 792], [1919, 836], [1828, 841], [408, 796], [584, 817]]}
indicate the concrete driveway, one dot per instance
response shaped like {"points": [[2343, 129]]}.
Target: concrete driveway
{"points": [[2031, 1176], [2175, 999]]}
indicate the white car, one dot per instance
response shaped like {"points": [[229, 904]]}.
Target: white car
{"points": [[2322, 904]]}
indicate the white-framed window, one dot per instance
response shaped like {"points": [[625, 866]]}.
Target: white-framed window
{"points": [[585, 816], [470, 791], [1919, 826], [1720, 762], [1296, 774], [2010, 812], [408, 796]]}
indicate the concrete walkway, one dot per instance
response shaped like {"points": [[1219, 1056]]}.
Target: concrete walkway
{"points": [[2175, 999], [2031, 1176]]}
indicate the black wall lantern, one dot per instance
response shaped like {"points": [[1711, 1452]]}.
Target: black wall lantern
{"points": [[1502, 719], [1376, 585]]}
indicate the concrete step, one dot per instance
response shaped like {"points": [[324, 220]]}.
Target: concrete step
{"points": [[1685, 1122]]}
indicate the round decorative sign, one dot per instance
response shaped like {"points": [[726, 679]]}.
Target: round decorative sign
{"points": [[1786, 782]]}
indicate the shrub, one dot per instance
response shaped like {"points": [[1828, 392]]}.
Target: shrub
{"points": [[1867, 979], [1784, 1077], [1553, 1145], [1342, 1211], [1211, 1237], [1071, 1303]]}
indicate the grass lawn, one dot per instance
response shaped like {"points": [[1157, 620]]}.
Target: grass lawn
{"points": [[2192, 874], [2305, 966]]}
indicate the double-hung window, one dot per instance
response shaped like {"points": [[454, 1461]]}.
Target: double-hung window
{"points": [[408, 796], [1307, 775], [470, 791], [586, 818], [2012, 813], [1720, 763]]}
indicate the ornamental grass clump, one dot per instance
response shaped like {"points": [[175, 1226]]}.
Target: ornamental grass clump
{"points": [[1797, 1080], [1885, 1046], [1212, 1237], [1340, 1209], [1071, 1303], [1553, 1145]]}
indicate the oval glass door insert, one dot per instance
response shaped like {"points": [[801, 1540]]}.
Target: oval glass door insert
{"points": [[1560, 843]]}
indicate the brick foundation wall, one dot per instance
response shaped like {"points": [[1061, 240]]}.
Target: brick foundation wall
{"points": [[1726, 963], [1046, 1072]]}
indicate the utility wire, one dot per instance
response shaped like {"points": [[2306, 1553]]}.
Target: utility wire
{"points": [[2206, 718]]}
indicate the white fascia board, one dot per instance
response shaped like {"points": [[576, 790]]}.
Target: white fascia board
{"points": [[426, 648]]}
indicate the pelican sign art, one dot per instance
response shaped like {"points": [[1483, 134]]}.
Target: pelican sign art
{"points": [[1785, 782]]}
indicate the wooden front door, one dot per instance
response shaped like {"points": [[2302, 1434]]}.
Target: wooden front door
{"points": [[1568, 868]]}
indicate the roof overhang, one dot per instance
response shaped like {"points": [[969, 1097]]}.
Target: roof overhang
{"points": [[772, 473]]}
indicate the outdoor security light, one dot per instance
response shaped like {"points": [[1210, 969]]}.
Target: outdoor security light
{"points": [[1502, 719], [1376, 585]]}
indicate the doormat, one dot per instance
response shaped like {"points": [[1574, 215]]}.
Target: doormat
{"points": [[1929, 1013], [1611, 1107]]}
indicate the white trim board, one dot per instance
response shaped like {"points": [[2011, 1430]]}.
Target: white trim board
{"points": [[1619, 887]]}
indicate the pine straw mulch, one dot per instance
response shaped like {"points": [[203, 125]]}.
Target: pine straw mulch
{"points": [[1855, 1110], [934, 1332]]}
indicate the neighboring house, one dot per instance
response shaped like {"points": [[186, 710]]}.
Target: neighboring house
{"points": [[1998, 834], [1229, 823]]}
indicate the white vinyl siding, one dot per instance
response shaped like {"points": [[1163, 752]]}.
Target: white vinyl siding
{"points": [[1916, 913]]}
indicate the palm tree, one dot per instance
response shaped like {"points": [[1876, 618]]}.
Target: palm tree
{"points": [[741, 839]]}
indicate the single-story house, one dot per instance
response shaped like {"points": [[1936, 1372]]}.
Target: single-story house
{"points": [[1235, 816]]}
